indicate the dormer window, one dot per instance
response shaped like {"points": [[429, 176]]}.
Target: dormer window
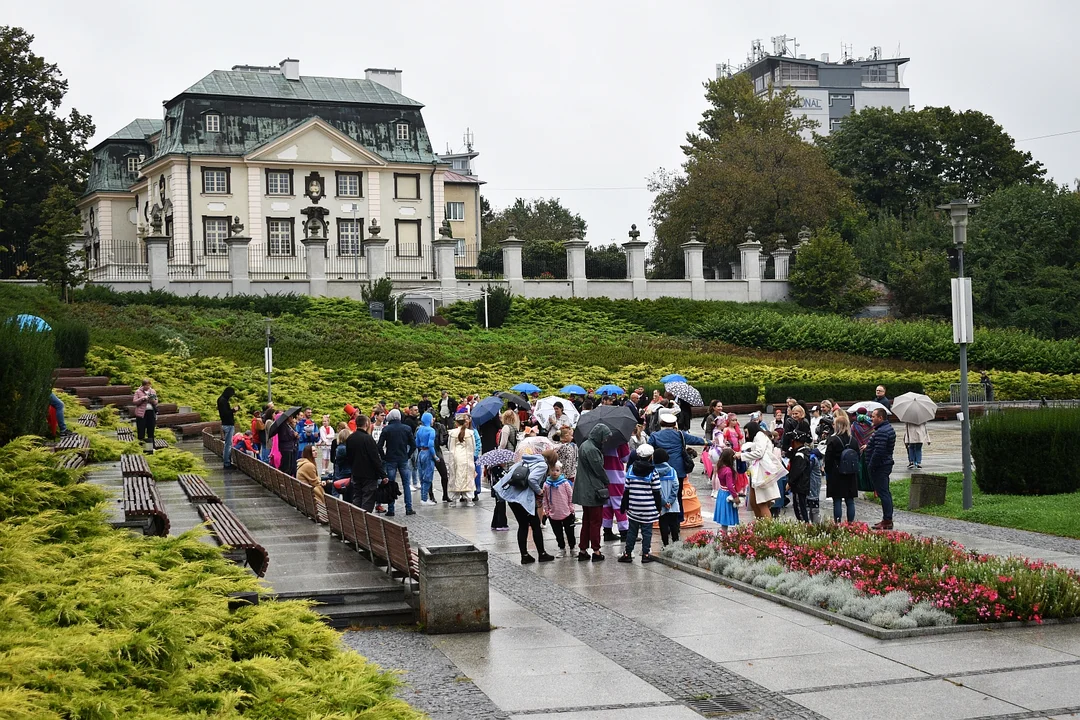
{"points": [[403, 131], [133, 163], [213, 122]]}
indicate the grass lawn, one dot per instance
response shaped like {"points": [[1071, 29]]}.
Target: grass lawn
{"points": [[1052, 514]]}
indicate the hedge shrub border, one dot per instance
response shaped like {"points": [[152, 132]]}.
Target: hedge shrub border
{"points": [[849, 622]]}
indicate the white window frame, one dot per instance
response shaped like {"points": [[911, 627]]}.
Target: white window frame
{"points": [[275, 177], [349, 178], [459, 247], [402, 131], [455, 216], [210, 188], [279, 238], [133, 163], [212, 122], [214, 237], [350, 235]]}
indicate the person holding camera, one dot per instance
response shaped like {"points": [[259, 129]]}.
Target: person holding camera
{"points": [[146, 402], [227, 408]]}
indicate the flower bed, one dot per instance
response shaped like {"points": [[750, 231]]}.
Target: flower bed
{"points": [[890, 579]]}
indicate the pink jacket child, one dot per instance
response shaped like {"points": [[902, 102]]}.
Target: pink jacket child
{"points": [[558, 504]]}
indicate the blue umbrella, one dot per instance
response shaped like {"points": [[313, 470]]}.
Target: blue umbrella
{"points": [[610, 390], [572, 390], [31, 322], [485, 410], [674, 377], [528, 388]]}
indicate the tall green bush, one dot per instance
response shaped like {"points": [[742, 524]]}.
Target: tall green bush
{"points": [[72, 340], [826, 276], [499, 302], [27, 359], [1027, 453]]}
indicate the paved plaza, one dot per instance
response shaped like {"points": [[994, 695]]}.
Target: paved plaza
{"points": [[612, 641]]}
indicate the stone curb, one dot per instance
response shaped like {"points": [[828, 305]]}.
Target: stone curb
{"points": [[848, 622]]}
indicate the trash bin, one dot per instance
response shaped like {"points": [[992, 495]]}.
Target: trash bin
{"points": [[378, 312], [454, 589]]}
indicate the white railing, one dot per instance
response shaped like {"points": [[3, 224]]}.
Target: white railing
{"points": [[119, 271], [262, 266]]}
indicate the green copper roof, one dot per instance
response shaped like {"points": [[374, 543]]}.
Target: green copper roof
{"points": [[137, 129], [245, 84]]}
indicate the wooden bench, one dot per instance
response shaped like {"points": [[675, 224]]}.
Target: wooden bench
{"points": [[132, 465], [71, 461], [194, 429], [196, 489], [160, 444], [229, 531], [125, 434], [69, 372], [173, 419], [308, 502], [213, 443], [141, 501], [93, 391], [88, 420], [82, 381], [382, 540], [162, 408], [73, 442]]}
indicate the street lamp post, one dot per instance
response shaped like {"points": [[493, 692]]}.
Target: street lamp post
{"points": [[356, 255], [963, 329], [268, 361]]}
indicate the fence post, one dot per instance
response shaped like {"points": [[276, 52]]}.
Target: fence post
{"points": [[375, 253], [157, 261], [693, 265], [575, 266], [445, 262], [750, 262], [781, 263], [316, 265], [511, 250], [635, 261], [238, 265]]}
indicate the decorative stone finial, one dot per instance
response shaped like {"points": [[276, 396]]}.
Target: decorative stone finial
{"points": [[511, 231], [634, 233], [236, 227], [750, 237], [374, 228], [693, 233], [780, 241], [445, 231], [804, 233], [155, 219]]}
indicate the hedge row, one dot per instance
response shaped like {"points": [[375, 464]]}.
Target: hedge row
{"points": [[842, 391], [919, 341], [1027, 453], [277, 304]]}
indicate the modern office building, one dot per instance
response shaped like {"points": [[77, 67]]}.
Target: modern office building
{"points": [[828, 91]]}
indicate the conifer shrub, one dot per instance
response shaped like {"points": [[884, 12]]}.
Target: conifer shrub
{"points": [[27, 359], [72, 339], [813, 392], [1027, 453], [499, 302]]}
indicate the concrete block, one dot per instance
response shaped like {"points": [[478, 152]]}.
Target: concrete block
{"points": [[926, 490], [454, 589]]}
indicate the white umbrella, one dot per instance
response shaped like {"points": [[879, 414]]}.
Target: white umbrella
{"points": [[545, 408], [914, 408], [868, 407]]}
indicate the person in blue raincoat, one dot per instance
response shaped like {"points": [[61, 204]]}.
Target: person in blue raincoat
{"points": [[674, 441], [425, 458]]}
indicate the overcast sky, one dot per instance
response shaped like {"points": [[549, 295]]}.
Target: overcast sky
{"points": [[576, 100]]}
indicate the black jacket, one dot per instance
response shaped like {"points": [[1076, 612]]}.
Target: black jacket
{"points": [[799, 475], [224, 408], [396, 442], [362, 454], [879, 448]]}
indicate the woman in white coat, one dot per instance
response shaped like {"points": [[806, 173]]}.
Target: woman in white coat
{"points": [[462, 486], [915, 436], [759, 454]]}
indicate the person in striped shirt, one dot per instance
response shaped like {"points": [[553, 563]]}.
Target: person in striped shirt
{"points": [[641, 503]]}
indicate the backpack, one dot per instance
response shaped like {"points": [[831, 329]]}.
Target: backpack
{"points": [[849, 461], [519, 479]]}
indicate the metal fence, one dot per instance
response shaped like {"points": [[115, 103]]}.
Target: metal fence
{"points": [[976, 393], [124, 260], [544, 267], [263, 266], [472, 264], [421, 267], [119, 271], [349, 266]]}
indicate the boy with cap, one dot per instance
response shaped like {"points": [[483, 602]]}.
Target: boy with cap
{"points": [[641, 502]]}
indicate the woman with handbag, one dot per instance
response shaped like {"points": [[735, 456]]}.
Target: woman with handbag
{"points": [[521, 489], [674, 442], [764, 468]]}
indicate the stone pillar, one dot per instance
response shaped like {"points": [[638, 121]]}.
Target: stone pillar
{"points": [[575, 266], [445, 265], [750, 261], [316, 265], [454, 593], [375, 252], [157, 260], [781, 262], [635, 261], [694, 266], [238, 265], [511, 250]]}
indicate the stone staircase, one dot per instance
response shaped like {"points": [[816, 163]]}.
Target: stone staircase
{"points": [[95, 391]]}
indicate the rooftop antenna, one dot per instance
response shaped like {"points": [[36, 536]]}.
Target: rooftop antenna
{"points": [[845, 52], [875, 52], [897, 50], [757, 50], [468, 139], [780, 45]]}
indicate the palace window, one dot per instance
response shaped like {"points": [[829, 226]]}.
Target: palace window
{"points": [[280, 235], [215, 230], [279, 182], [459, 247], [348, 185], [455, 211], [133, 163], [408, 238], [348, 235], [215, 181], [402, 131], [213, 122]]}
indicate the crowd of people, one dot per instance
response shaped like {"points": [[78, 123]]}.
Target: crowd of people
{"points": [[623, 484]]}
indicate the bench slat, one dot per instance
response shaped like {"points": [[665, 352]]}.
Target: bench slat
{"points": [[229, 531], [195, 487], [141, 500]]}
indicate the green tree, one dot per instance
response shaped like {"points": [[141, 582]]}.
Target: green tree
{"points": [[1023, 256], [605, 261], [826, 276], [38, 147], [541, 219], [747, 166], [55, 260], [901, 161]]}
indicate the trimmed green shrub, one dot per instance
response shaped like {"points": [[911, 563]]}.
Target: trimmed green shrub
{"points": [[1027, 453], [813, 393], [273, 305], [27, 359], [72, 340], [499, 302]]}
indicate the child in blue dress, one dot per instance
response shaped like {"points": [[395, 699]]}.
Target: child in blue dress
{"points": [[726, 513]]}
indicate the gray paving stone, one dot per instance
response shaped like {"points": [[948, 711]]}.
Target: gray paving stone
{"points": [[927, 700], [1034, 689], [974, 652]]}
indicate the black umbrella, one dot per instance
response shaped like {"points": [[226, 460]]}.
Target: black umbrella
{"points": [[617, 417], [516, 400], [279, 422]]}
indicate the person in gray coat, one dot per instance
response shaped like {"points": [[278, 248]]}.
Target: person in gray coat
{"points": [[591, 491]]}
